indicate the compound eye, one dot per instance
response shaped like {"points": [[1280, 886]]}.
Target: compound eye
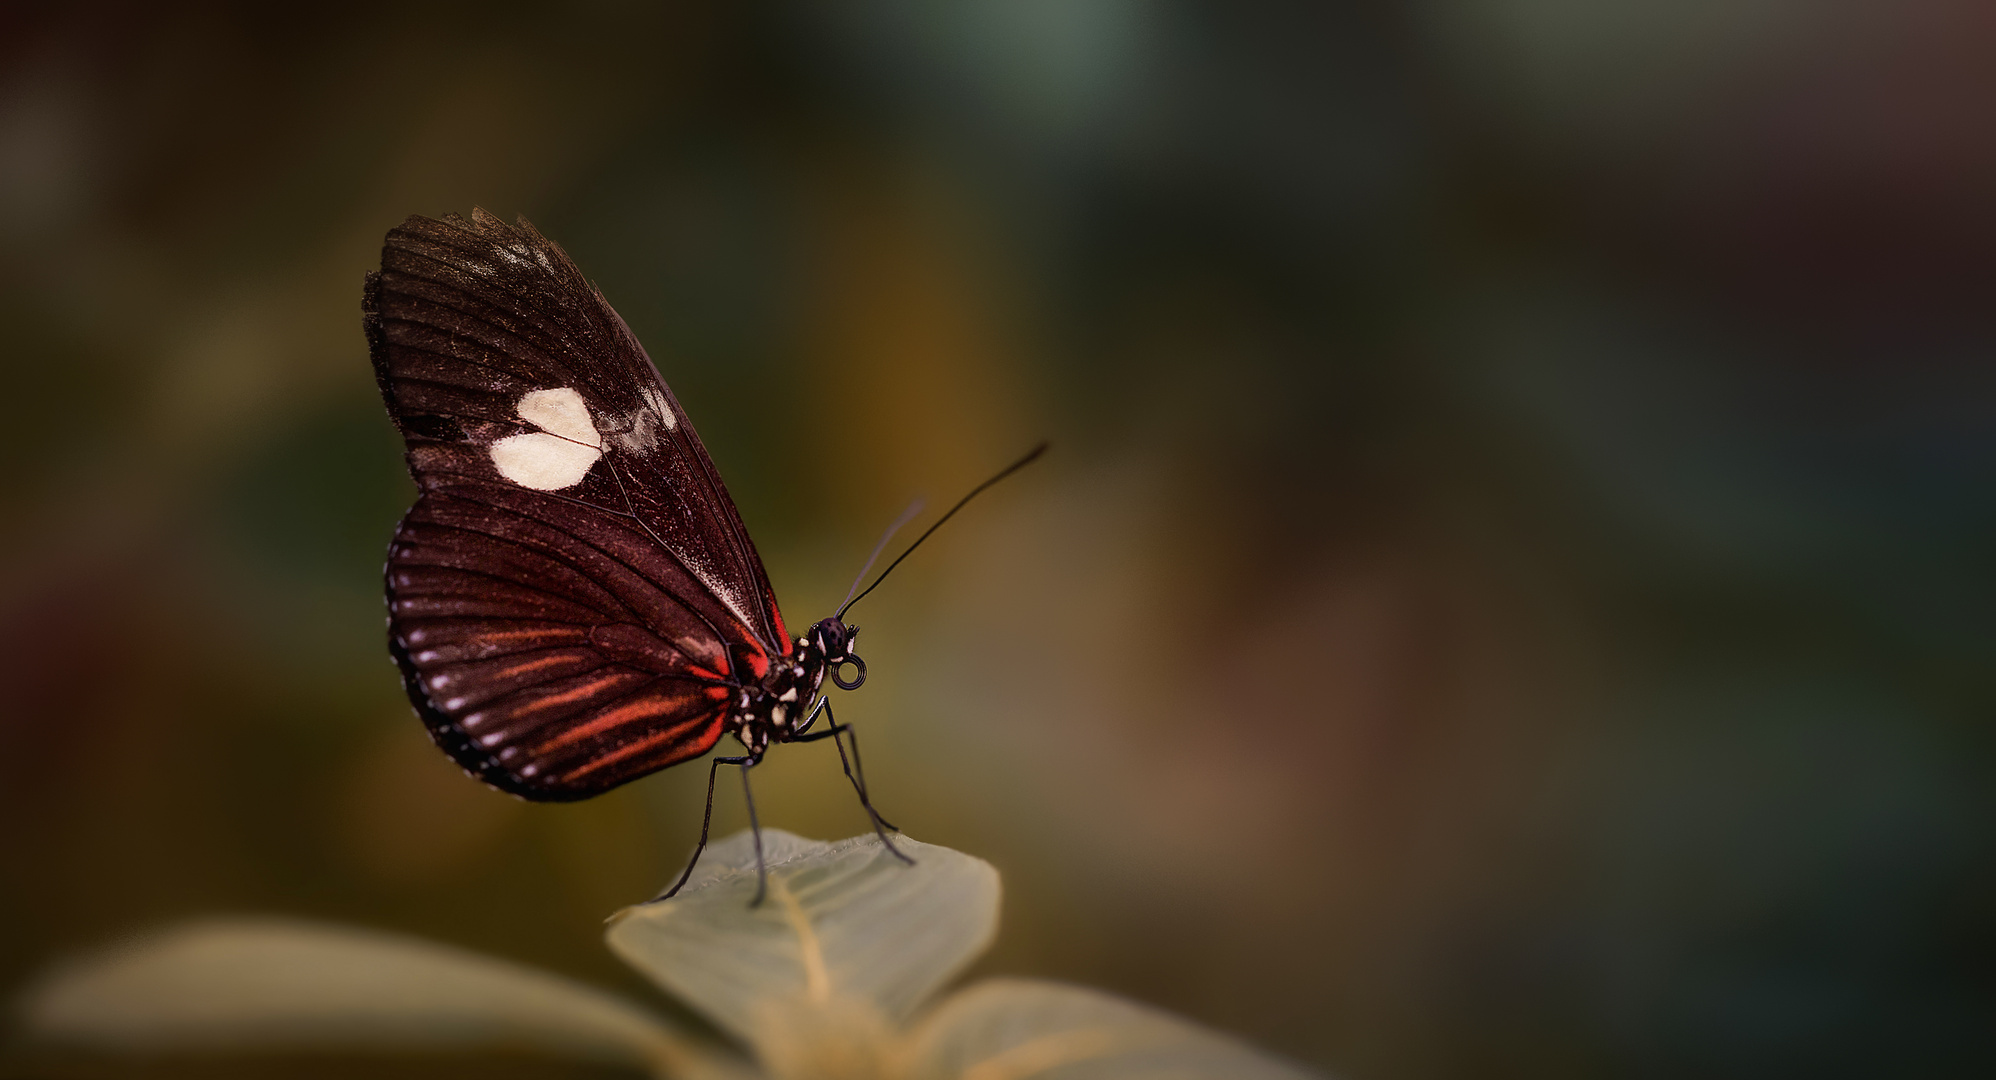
{"points": [[833, 638]]}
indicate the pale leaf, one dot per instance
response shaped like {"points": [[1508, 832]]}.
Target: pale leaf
{"points": [[1012, 1029], [267, 983], [844, 921]]}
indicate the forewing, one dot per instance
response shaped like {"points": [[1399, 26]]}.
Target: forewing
{"points": [[573, 594]]}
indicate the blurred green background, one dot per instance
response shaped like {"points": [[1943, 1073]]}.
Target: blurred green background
{"points": [[1510, 595]]}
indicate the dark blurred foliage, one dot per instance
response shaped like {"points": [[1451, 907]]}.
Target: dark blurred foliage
{"points": [[1510, 595]]}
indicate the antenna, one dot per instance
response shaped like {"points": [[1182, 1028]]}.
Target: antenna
{"points": [[906, 516], [1008, 470]]}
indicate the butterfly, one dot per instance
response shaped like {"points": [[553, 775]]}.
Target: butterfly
{"points": [[573, 600]]}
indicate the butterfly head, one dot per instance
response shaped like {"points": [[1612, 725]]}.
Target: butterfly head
{"points": [[834, 639]]}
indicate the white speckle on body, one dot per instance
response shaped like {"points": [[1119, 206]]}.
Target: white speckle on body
{"points": [[561, 453]]}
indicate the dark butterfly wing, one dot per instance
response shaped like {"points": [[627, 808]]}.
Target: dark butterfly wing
{"points": [[573, 598]]}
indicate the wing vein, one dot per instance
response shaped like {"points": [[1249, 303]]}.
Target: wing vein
{"points": [[626, 564]]}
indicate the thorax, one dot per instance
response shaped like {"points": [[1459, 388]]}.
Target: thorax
{"points": [[773, 710]]}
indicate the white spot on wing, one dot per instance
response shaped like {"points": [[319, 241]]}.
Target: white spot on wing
{"points": [[561, 453], [641, 429], [560, 412], [658, 403], [543, 462], [643, 433]]}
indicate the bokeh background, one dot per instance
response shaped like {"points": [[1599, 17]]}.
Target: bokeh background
{"points": [[1510, 596]]}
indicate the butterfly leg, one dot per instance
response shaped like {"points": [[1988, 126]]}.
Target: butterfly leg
{"points": [[858, 773], [755, 830], [707, 818], [854, 773]]}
